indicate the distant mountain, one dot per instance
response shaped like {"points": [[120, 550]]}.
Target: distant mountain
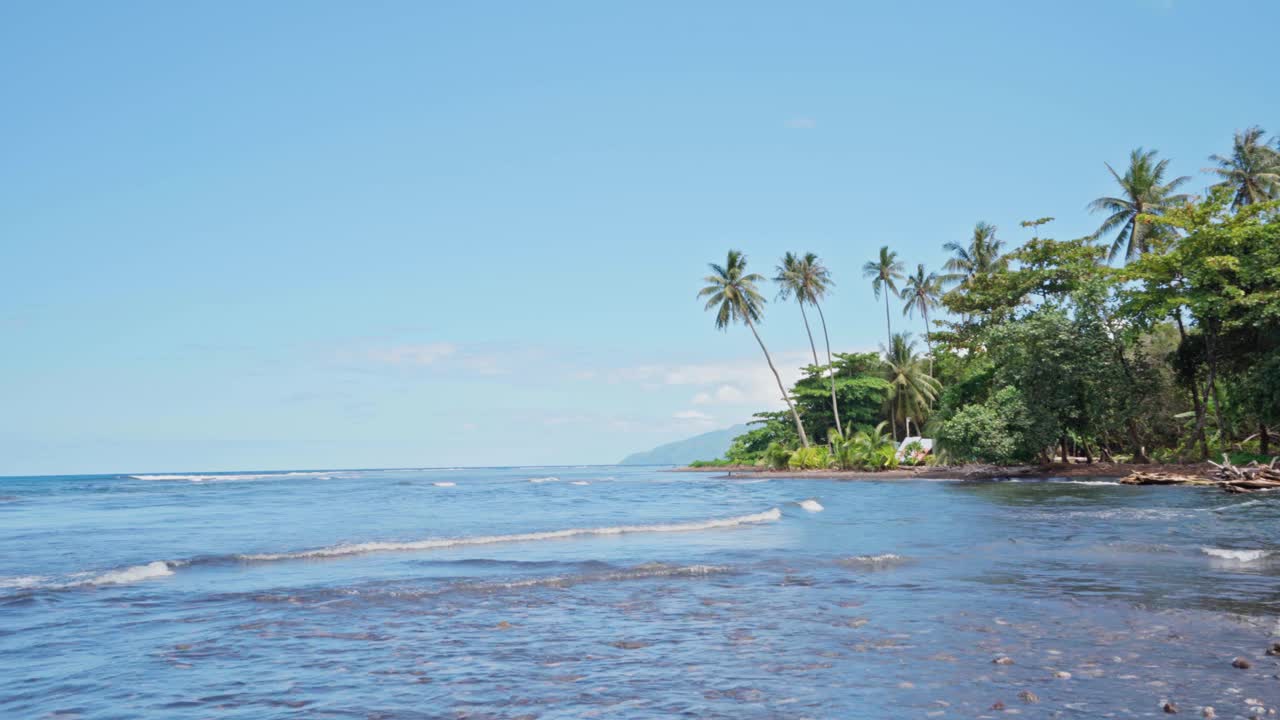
{"points": [[707, 446]]}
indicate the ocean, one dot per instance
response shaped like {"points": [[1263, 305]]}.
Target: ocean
{"points": [[626, 592]]}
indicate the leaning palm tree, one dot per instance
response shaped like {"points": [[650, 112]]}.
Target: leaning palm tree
{"points": [[980, 256], [1143, 192], [912, 389], [921, 292], [732, 291], [808, 280], [884, 273], [1252, 172]]}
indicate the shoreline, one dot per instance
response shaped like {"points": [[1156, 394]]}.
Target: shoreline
{"points": [[966, 472]]}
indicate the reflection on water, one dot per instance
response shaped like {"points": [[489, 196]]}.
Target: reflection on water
{"points": [[852, 599]]}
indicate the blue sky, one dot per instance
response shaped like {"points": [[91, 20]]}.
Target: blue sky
{"points": [[321, 234]]}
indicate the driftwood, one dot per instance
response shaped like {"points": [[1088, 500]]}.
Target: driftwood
{"points": [[1231, 478]]}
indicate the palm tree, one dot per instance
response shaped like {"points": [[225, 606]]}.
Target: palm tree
{"points": [[808, 280], [921, 292], [980, 256], [1144, 191], [1252, 171], [732, 291], [912, 388], [884, 274]]}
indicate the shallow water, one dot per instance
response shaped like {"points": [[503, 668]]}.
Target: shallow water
{"points": [[629, 592]]}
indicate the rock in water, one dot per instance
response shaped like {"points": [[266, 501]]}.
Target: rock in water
{"points": [[1027, 696], [1003, 660], [1170, 708], [1241, 663], [1209, 713]]}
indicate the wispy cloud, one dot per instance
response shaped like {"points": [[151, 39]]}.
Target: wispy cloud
{"points": [[412, 355], [743, 383]]}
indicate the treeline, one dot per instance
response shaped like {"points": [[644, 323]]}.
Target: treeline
{"points": [[1155, 338]]}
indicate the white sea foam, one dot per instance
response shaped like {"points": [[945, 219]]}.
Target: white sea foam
{"points": [[812, 506], [234, 477], [1243, 556], [873, 561], [1085, 482], [22, 581], [579, 482], [544, 479], [133, 574], [438, 543], [445, 484]]}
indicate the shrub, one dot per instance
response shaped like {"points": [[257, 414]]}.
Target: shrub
{"points": [[777, 457], [994, 431]]}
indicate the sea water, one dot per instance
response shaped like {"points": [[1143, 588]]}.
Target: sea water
{"points": [[580, 592]]}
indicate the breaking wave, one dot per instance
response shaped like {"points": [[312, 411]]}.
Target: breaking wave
{"points": [[811, 505], [1241, 556], [439, 543], [231, 477]]}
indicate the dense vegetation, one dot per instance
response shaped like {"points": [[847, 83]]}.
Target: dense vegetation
{"points": [[1155, 338]]}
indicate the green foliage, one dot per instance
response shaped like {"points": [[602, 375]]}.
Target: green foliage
{"points": [[711, 463], [814, 457], [996, 431], [777, 457]]}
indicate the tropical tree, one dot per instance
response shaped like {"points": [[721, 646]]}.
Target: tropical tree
{"points": [[921, 293], [1252, 171], [884, 273], [807, 280], [913, 388], [1143, 192], [731, 290], [980, 256]]}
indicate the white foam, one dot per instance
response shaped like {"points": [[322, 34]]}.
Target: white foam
{"points": [[874, 561], [233, 477], [438, 543], [1243, 556], [579, 482], [544, 479], [812, 506], [445, 484], [1084, 482], [133, 574], [22, 581]]}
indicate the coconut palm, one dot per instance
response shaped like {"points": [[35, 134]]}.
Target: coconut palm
{"points": [[921, 292], [1252, 172], [1144, 191], [732, 291], [885, 273], [981, 255], [808, 280], [912, 389]]}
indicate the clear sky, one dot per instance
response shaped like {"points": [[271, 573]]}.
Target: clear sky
{"points": [[337, 234]]}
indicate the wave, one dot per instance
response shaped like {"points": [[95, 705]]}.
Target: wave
{"points": [[579, 482], [132, 574], [873, 562], [445, 484], [231, 477], [163, 568], [544, 479], [440, 543], [1242, 556], [811, 505]]}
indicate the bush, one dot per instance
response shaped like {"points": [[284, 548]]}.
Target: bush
{"points": [[777, 457], [810, 458], [993, 432]]}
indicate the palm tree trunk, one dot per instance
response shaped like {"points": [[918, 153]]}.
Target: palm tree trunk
{"points": [[888, 328], [831, 372], [928, 342], [804, 439], [813, 348], [1195, 394]]}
